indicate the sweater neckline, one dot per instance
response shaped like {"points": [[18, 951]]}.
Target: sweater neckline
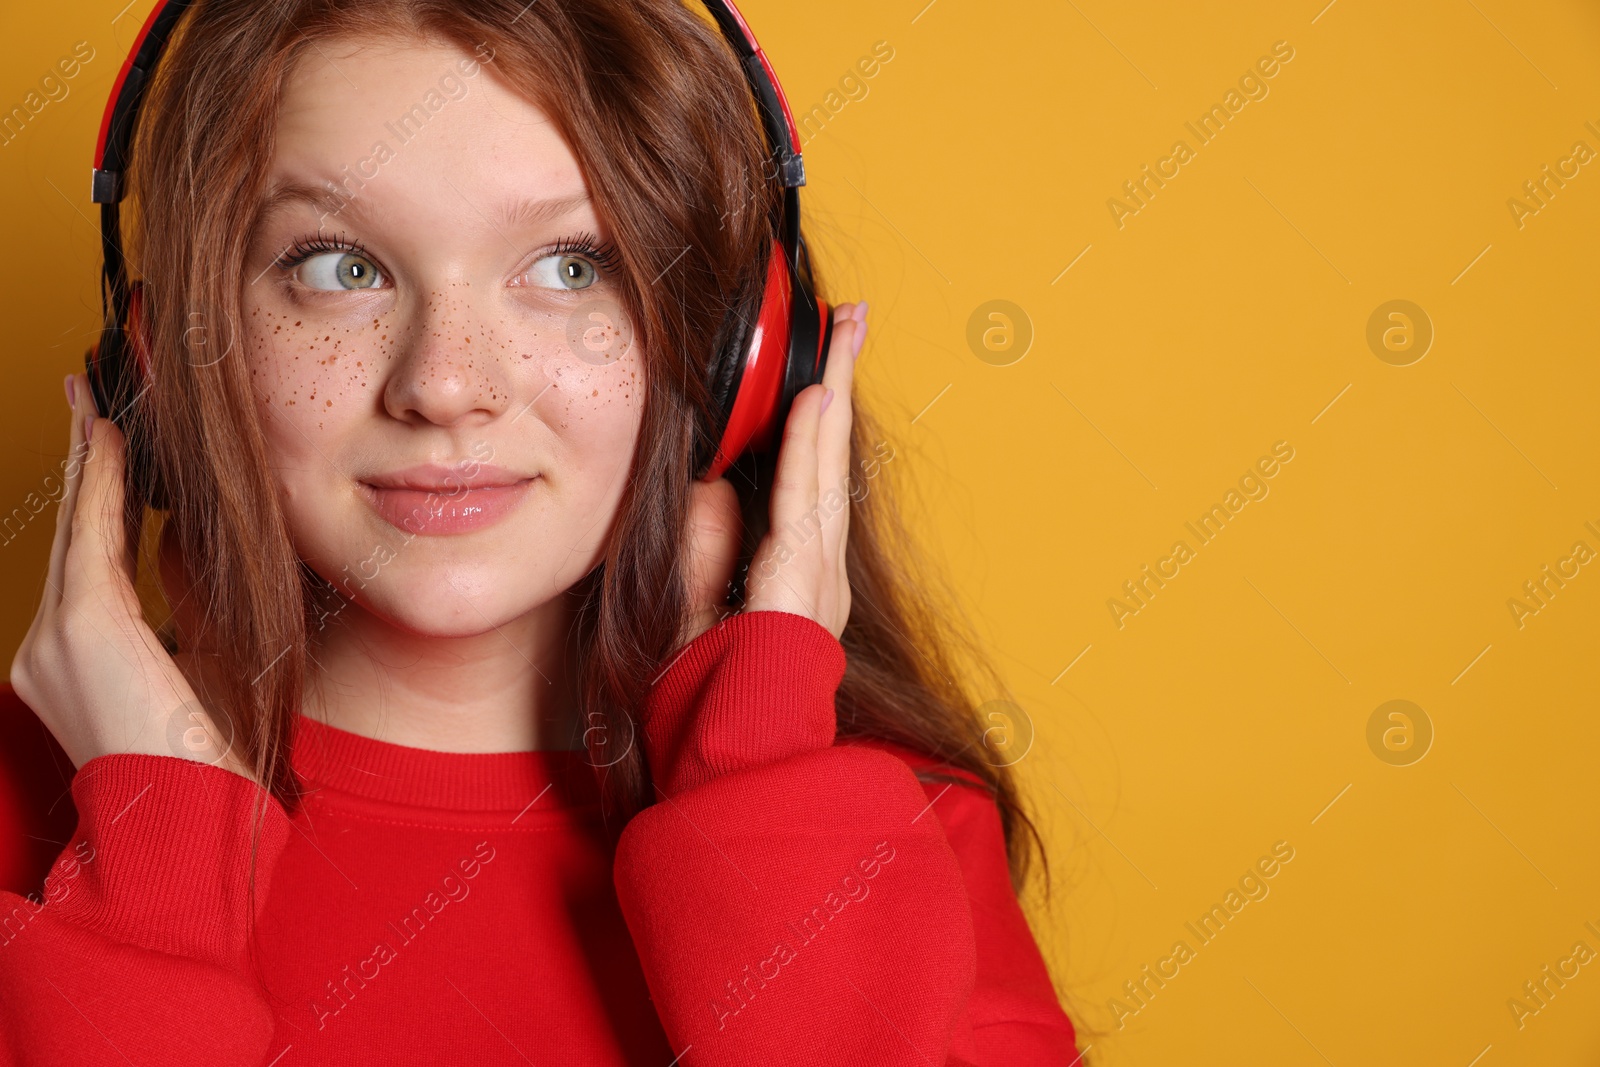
{"points": [[330, 758]]}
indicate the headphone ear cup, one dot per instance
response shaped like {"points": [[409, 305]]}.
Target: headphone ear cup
{"points": [[739, 330], [810, 333], [754, 407], [139, 337], [733, 339], [96, 362], [108, 362], [120, 370]]}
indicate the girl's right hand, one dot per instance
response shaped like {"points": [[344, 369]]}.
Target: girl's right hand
{"points": [[90, 667]]}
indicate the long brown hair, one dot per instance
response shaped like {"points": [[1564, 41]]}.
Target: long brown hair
{"points": [[653, 104]]}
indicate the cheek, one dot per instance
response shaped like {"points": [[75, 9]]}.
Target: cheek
{"points": [[593, 394], [303, 374], [596, 397]]}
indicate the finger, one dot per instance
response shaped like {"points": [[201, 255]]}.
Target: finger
{"points": [[98, 553], [794, 484], [833, 445], [73, 476]]}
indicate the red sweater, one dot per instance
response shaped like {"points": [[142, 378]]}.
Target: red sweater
{"points": [[787, 899]]}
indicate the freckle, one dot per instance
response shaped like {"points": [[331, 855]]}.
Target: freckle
{"points": [[297, 322], [595, 393], [330, 403]]}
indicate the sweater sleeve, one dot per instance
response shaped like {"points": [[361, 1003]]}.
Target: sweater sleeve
{"points": [[1015, 1014], [794, 901], [136, 948]]}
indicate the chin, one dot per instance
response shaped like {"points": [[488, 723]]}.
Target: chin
{"points": [[439, 598], [435, 610]]}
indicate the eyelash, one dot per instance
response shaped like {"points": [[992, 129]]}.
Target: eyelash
{"points": [[603, 254], [304, 248]]}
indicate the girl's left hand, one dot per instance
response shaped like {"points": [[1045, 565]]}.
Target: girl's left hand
{"points": [[799, 567]]}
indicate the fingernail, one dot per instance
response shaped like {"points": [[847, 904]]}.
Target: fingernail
{"points": [[88, 427], [861, 336], [66, 384], [860, 312], [827, 398]]}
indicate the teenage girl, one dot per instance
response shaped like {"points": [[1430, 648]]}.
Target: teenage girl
{"points": [[454, 745]]}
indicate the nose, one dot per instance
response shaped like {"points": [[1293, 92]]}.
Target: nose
{"points": [[447, 370]]}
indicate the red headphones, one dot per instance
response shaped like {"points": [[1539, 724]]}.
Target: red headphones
{"points": [[777, 343]]}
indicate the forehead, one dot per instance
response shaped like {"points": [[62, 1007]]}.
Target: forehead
{"points": [[412, 127]]}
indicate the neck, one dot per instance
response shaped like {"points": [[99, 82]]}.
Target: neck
{"points": [[506, 690]]}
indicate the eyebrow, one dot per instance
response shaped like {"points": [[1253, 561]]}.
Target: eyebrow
{"points": [[508, 215]]}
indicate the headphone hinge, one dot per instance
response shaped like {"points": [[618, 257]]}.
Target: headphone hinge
{"points": [[106, 187]]}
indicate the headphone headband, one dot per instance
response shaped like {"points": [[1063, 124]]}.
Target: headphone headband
{"points": [[127, 93], [780, 347]]}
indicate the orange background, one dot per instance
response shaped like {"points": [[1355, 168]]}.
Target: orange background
{"points": [[1167, 355]]}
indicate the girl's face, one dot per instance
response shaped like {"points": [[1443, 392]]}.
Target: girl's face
{"points": [[450, 395]]}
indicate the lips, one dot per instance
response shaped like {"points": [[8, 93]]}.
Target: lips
{"points": [[435, 500], [447, 480]]}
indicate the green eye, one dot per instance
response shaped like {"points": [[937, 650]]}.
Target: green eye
{"points": [[563, 272], [339, 270], [577, 262]]}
